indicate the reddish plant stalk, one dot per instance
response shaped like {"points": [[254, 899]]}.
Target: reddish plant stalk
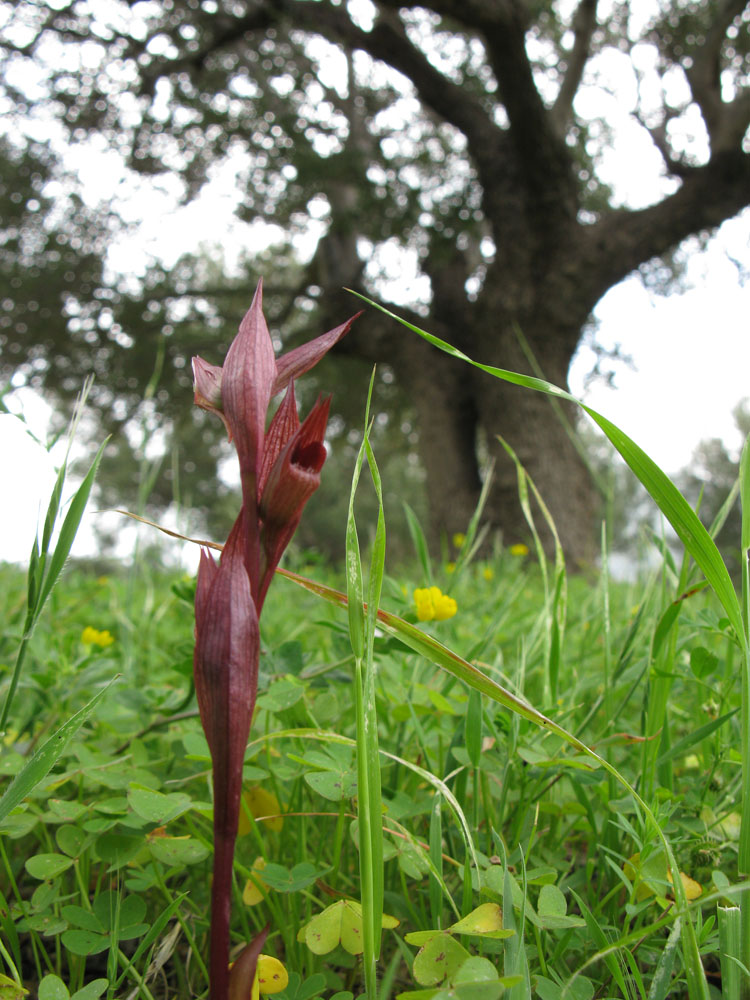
{"points": [[279, 472]]}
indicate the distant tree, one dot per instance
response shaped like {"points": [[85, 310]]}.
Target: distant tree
{"points": [[708, 481], [456, 132]]}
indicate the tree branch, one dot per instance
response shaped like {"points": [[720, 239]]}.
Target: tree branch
{"points": [[227, 31], [584, 23], [614, 247], [704, 76], [389, 43], [659, 138]]}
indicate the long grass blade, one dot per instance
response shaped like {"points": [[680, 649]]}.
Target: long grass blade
{"points": [[45, 757], [362, 620], [668, 498]]}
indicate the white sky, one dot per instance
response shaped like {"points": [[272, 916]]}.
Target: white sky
{"points": [[691, 351]]}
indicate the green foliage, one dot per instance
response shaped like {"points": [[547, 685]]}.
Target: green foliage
{"points": [[126, 801]]}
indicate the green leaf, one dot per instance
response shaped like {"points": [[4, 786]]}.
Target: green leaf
{"points": [[300, 877], [69, 529], [117, 849], [298, 990], [83, 919], [156, 807], [282, 694], [46, 756], [485, 921], [580, 988], [339, 923], [91, 990], [178, 851], [112, 910], [703, 663], [439, 959], [46, 866], [552, 908], [682, 746], [476, 970], [10, 989], [71, 840], [333, 785], [154, 933], [85, 942], [53, 988]]}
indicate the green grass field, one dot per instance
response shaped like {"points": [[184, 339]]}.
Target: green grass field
{"points": [[106, 863], [463, 780]]}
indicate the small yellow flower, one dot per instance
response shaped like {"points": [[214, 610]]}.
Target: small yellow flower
{"points": [[519, 549], [488, 573], [260, 802], [252, 894], [459, 540], [432, 603], [450, 567], [270, 977], [93, 637]]}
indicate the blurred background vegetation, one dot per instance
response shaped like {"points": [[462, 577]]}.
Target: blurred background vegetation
{"points": [[450, 159]]}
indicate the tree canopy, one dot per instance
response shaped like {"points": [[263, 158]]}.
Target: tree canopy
{"points": [[458, 139]]}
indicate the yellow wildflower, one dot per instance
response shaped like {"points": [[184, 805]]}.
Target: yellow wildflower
{"points": [[519, 549], [260, 802], [93, 637], [252, 894], [432, 603], [488, 573], [270, 977], [450, 567], [459, 540]]}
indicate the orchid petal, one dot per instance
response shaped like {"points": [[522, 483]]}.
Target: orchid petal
{"points": [[207, 381], [247, 379], [291, 482], [282, 428], [301, 359]]}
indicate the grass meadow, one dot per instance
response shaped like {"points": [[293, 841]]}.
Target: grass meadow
{"points": [[525, 782]]}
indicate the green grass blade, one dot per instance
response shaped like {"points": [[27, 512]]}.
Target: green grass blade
{"points": [[682, 746], [69, 529], [420, 543], [473, 728], [662, 979], [730, 937], [556, 595], [362, 637], [375, 585], [668, 498], [436, 856], [45, 757]]}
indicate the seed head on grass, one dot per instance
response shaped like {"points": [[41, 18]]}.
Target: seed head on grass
{"points": [[279, 472]]}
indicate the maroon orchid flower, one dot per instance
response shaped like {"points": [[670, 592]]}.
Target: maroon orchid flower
{"points": [[279, 470]]}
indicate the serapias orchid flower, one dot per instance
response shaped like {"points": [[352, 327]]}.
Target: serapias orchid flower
{"points": [[279, 471]]}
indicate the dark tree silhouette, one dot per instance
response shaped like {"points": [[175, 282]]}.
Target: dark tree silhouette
{"points": [[447, 128]]}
